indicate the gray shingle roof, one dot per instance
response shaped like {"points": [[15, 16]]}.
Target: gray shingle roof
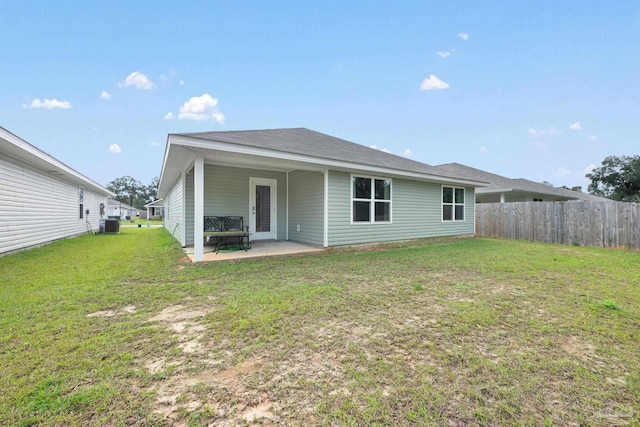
{"points": [[499, 183], [306, 142]]}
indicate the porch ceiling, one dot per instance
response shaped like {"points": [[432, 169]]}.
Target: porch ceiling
{"points": [[252, 161]]}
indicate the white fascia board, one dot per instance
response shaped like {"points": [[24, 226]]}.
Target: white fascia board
{"points": [[32, 155], [493, 190], [164, 164], [156, 203], [320, 162]]}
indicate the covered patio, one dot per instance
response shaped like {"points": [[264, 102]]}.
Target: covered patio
{"points": [[259, 248]]}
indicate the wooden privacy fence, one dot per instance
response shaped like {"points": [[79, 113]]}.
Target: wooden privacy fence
{"points": [[584, 223]]}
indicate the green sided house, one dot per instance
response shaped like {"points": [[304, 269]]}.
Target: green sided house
{"points": [[307, 187]]}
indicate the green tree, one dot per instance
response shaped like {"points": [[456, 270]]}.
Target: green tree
{"points": [[618, 179], [147, 193], [132, 192], [126, 189]]}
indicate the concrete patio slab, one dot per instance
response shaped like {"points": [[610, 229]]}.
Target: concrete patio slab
{"points": [[259, 248]]}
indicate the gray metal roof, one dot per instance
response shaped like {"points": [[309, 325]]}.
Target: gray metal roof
{"points": [[502, 184], [306, 142]]}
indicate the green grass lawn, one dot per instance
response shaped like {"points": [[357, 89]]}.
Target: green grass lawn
{"points": [[120, 330]]}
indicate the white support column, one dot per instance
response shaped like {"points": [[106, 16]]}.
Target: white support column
{"points": [[287, 212], [198, 209], [501, 197], [325, 239]]}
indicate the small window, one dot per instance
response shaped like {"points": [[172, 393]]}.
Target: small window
{"points": [[81, 201], [452, 204], [371, 199]]}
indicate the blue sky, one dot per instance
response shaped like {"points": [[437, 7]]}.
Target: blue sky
{"points": [[541, 90]]}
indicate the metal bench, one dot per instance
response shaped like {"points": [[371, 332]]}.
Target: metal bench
{"points": [[223, 228]]}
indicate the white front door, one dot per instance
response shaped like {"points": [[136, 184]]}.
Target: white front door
{"points": [[263, 208]]}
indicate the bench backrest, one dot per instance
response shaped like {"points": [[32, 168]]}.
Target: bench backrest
{"points": [[232, 223], [223, 223], [212, 223]]}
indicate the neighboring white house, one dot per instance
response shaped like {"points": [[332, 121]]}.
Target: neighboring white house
{"points": [[155, 209], [305, 186], [41, 198], [119, 210]]}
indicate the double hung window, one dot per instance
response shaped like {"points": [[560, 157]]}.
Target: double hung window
{"points": [[371, 199], [452, 204]]}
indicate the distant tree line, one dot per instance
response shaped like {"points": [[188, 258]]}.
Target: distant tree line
{"points": [[617, 179], [132, 192]]}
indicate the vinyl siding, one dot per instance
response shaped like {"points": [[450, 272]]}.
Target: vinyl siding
{"points": [[37, 208], [174, 219], [416, 213], [226, 193], [306, 201]]}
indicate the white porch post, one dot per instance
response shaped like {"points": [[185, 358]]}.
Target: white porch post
{"points": [[325, 237], [501, 197], [198, 209]]}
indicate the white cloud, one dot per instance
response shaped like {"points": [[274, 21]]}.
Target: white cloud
{"points": [[105, 95], [181, 82], [169, 116], [445, 53], [463, 36], [432, 82], [593, 137], [575, 126], [155, 144], [407, 152], [138, 80], [114, 148], [543, 132], [375, 147], [49, 104], [483, 149], [201, 108]]}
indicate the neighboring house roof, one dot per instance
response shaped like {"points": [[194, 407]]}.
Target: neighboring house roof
{"points": [[112, 202], [20, 149], [155, 204], [290, 149], [501, 184]]}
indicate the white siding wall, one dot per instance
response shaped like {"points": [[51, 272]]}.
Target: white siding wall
{"points": [[37, 208], [174, 218], [416, 213]]}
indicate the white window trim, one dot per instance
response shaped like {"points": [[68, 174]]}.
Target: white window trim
{"points": [[372, 200], [453, 205]]}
